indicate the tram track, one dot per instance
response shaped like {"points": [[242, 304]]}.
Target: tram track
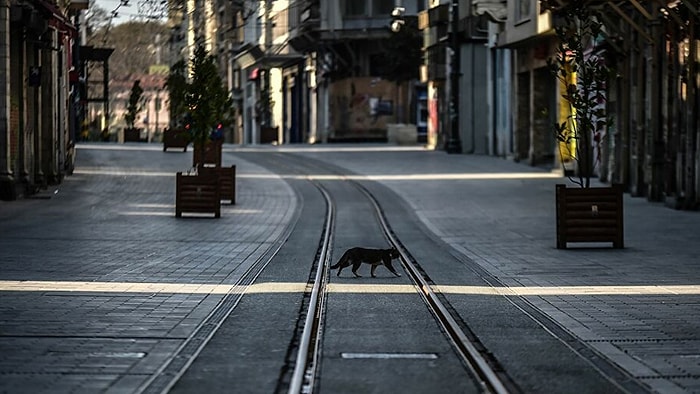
{"points": [[308, 354], [468, 351], [178, 363], [235, 338], [304, 369], [490, 379]]}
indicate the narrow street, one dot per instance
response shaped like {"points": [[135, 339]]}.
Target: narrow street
{"points": [[104, 290]]}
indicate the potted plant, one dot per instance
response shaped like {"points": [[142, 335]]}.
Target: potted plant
{"points": [[584, 213], [209, 109], [133, 108], [209, 106], [175, 135]]}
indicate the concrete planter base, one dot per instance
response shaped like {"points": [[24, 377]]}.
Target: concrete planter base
{"points": [[402, 134]]}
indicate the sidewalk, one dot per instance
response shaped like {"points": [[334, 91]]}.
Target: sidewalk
{"points": [[637, 306], [100, 284], [109, 232]]}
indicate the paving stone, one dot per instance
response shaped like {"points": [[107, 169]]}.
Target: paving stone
{"points": [[109, 229], [507, 226], [112, 223]]}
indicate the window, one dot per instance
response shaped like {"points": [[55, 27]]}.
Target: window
{"points": [[522, 10], [382, 7], [355, 7]]}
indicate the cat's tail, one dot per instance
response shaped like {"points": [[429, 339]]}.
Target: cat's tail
{"points": [[340, 261], [336, 265]]}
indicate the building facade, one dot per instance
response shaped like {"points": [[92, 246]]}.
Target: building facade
{"points": [[651, 145], [304, 71], [528, 32], [313, 71], [461, 57], [38, 71]]}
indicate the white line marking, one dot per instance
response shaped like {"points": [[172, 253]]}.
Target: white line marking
{"points": [[388, 356], [338, 288]]}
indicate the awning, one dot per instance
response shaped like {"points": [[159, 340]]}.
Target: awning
{"points": [[90, 53], [497, 10], [250, 55]]}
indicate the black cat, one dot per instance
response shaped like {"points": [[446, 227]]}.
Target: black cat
{"points": [[374, 257]]}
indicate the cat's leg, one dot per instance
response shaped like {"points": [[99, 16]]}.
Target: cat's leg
{"points": [[391, 268], [374, 267], [355, 266]]}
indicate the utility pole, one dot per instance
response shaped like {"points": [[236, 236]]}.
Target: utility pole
{"points": [[453, 143]]}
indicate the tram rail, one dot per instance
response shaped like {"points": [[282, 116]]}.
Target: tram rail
{"points": [[307, 359], [176, 365], [308, 355]]}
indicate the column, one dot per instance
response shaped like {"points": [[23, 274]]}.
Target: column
{"points": [[6, 177]]}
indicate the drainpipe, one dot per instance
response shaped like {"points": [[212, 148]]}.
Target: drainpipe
{"points": [[21, 109], [6, 177], [473, 99], [453, 144]]}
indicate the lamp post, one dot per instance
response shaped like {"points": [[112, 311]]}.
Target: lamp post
{"points": [[453, 143]]}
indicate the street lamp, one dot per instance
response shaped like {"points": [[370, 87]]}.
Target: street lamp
{"points": [[397, 20], [453, 143]]}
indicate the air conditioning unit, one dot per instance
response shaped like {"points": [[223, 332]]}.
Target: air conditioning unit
{"points": [[475, 28]]}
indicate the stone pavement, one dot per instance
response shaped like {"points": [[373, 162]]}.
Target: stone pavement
{"points": [[147, 281], [637, 306], [100, 284]]}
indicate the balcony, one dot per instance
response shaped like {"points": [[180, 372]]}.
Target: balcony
{"points": [[358, 19], [525, 23], [435, 16], [304, 27]]}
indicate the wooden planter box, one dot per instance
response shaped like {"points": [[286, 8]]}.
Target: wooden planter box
{"points": [[592, 214], [268, 135], [175, 138], [227, 181], [132, 135], [211, 154], [197, 194]]}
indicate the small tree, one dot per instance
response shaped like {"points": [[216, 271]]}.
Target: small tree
{"points": [[176, 84], [207, 100], [584, 76], [135, 104]]}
